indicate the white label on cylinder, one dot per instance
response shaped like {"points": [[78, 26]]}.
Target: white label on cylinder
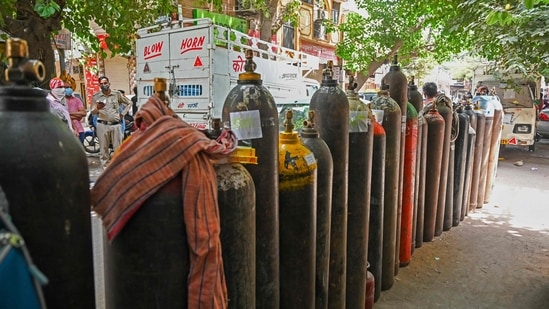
{"points": [[246, 125], [310, 159], [358, 121]]}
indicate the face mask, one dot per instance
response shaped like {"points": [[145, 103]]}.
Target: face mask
{"points": [[68, 92], [58, 92], [104, 87]]}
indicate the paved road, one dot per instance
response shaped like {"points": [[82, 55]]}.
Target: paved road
{"points": [[498, 257]]}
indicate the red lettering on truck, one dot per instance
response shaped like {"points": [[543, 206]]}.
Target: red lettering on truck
{"points": [[188, 44], [152, 51]]}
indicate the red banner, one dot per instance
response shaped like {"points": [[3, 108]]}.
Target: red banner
{"points": [[92, 84], [323, 52]]}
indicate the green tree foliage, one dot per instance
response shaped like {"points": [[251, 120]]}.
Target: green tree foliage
{"points": [[512, 33], [37, 21]]}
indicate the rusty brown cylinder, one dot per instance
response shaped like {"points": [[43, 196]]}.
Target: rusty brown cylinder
{"points": [[488, 110], [494, 148], [477, 159], [435, 140], [361, 138], [442, 205], [397, 84], [375, 235], [330, 103], [471, 144], [388, 112]]}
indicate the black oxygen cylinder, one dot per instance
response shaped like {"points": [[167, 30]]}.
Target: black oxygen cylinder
{"points": [[332, 107], [444, 107], [420, 219], [416, 99], [297, 198], [449, 203], [44, 175], [325, 171], [450, 208], [388, 113], [375, 234], [361, 139], [435, 140], [471, 115], [236, 200], [460, 164], [398, 90], [251, 113], [137, 263], [477, 159]]}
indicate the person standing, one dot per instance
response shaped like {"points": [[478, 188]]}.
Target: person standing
{"points": [[56, 98], [430, 92], [106, 105], [76, 112]]}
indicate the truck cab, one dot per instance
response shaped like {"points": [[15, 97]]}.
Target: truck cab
{"points": [[519, 112]]}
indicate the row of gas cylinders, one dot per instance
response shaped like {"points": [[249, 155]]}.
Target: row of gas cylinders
{"points": [[300, 222], [361, 185]]}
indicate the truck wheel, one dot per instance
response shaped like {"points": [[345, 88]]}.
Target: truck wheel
{"points": [[532, 147]]}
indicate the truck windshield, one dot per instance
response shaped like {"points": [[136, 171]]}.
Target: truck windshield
{"points": [[518, 96]]}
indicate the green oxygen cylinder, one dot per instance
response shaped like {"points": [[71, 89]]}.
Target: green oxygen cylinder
{"points": [[397, 85]]}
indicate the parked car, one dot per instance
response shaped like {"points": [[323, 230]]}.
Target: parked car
{"points": [[542, 125], [368, 95]]}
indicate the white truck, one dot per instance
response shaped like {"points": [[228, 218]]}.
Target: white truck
{"points": [[519, 110], [201, 62]]}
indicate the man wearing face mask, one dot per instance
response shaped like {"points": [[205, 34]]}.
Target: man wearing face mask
{"points": [[56, 98], [106, 105], [76, 112]]}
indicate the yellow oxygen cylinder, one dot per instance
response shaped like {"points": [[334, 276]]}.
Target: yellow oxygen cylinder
{"points": [[297, 175]]}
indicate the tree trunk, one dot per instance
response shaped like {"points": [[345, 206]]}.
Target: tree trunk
{"points": [[266, 26], [37, 32]]}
